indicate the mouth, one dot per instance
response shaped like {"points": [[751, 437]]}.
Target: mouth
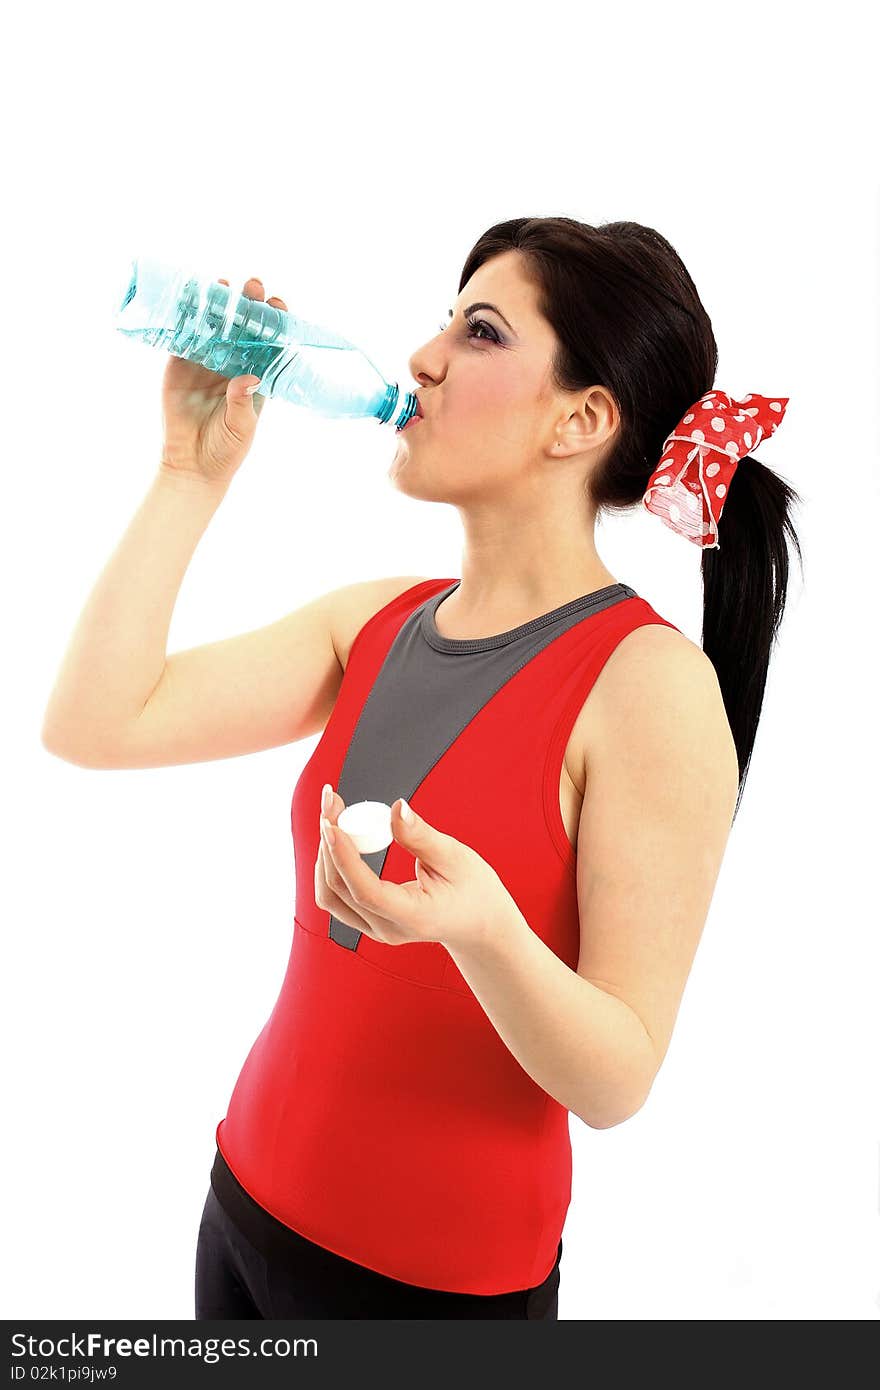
{"points": [[418, 414]]}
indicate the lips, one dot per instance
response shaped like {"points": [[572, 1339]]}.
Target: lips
{"points": [[418, 414]]}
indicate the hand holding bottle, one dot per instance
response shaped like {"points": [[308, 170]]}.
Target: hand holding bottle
{"points": [[209, 419]]}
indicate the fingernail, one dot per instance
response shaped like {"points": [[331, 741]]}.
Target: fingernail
{"points": [[249, 390], [326, 797], [406, 810]]}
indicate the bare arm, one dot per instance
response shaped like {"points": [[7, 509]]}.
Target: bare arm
{"points": [[116, 655]]}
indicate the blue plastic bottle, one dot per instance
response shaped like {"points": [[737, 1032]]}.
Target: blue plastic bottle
{"points": [[206, 322]]}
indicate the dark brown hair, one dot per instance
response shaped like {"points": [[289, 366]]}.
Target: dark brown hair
{"points": [[628, 317]]}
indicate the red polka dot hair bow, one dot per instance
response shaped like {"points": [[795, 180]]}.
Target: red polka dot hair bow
{"points": [[688, 488]]}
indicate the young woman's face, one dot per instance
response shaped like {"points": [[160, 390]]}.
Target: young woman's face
{"points": [[485, 391]]}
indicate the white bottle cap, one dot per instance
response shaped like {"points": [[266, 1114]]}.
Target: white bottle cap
{"points": [[368, 824]]}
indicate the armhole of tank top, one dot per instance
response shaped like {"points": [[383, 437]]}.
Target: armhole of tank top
{"points": [[401, 599], [559, 740]]}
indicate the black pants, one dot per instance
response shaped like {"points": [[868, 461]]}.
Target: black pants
{"points": [[248, 1265]]}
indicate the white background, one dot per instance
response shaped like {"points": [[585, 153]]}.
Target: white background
{"points": [[350, 157]]}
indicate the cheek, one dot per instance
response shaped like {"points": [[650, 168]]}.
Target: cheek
{"points": [[490, 401]]}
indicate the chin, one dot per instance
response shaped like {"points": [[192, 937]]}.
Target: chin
{"points": [[403, 476]]}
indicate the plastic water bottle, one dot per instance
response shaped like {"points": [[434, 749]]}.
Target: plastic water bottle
{"points": [[197, 318]]}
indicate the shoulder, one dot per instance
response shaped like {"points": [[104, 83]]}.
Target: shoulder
{"points": [[658, 698], [650, 650], [353, 605]]}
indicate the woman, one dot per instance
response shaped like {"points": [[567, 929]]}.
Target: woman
{"points": [[396, 1144]]}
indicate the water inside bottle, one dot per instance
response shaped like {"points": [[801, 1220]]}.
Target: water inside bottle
{"points": [[236, 336], [195, 330]]}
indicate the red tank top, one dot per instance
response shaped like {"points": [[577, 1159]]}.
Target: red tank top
{"points": [[378, 1113]]}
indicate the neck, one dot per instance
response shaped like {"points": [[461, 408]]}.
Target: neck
{"points": [[511, 573]]}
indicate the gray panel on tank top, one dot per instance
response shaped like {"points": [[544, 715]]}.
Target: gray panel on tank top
{"points": [[427, 690]]}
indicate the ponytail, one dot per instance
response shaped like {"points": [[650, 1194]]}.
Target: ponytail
{"points": [[744, 592]]}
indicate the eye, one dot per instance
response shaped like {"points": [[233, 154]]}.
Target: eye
{"points": [[474, 325]]}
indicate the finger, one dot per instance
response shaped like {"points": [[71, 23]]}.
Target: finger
{"points": [[355, 881], [322, 857], [330, 901], [333, 878], [334, 808], [339, 907], [329, 872], [339, 882], [324, 868], [254, 289]]}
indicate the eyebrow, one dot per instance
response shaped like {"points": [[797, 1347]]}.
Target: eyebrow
{"points": [[472, 309]]}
